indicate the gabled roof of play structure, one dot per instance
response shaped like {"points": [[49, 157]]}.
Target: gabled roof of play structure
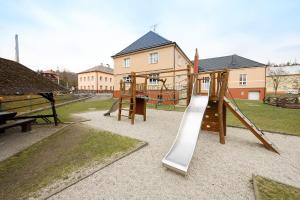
{"points": [[147, 41], [227, 62], [15, 78], [99, 68]]}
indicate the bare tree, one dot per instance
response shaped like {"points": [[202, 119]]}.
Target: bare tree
{"points": [[296, 83], [276, 73]]}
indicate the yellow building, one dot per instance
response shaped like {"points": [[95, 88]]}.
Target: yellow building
{"points": [[97, 79], [149, 53]]}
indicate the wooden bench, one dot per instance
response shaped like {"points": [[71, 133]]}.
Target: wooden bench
{"points": [[24, 123]]}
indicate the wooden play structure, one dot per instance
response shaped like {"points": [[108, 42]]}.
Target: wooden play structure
{"points": [[135, 95], [215, 114]]}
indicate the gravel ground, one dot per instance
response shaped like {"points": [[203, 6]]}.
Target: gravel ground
{"points": [[216, 171], [13, 140]]}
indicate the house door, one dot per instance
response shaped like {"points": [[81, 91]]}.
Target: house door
{"points": [[253, 95]]}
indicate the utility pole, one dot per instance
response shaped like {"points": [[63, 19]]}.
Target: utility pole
{"points": [[17, 48]]}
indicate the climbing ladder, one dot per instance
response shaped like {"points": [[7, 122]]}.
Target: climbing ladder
{"points": [[127, 98], [255, 130]]}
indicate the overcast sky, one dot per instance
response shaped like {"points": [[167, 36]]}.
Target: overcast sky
{"points": [[77, 35]]}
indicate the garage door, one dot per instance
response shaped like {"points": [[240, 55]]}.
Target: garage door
{"points": [[253, 95]]}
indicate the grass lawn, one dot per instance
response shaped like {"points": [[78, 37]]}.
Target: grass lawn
{"points": [[267, 117], [56, 156], [65, 112], [31, 102], [269, 189]]}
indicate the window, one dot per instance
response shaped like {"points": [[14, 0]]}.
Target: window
{"points": [[84, 79], [88, 78], [126, 62], [100, 78], [153, 79], [92, 78], [105, 87], [105, 79], [110, 88], [100, 87], [92, 87], [243, 79], [84, 87], [110, 79], [153, 58], [205, 83], [126, 79], [88, 87], [80, 79]]}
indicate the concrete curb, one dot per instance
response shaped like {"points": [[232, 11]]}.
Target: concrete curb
{"points": [[256, 194]]}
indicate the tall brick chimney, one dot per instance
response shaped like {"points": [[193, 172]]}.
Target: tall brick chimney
{"points": [[196, 61]]}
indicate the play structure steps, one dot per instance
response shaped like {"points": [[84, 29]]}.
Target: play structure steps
{"points": [[256, 131], [130, 110]]}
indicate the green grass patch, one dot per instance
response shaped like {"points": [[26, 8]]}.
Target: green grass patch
{"points": [[31, 102], [56, 156], [65, 112], [270, 189], [267, 117]]}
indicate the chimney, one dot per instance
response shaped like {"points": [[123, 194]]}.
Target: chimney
{"points": [[17, 48], [196, 61]]}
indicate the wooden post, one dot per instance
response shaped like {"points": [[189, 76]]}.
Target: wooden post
{"points": [[120, 100], [132, 97], [188, 95], [222, 125], [145, 103], [213, 83]]}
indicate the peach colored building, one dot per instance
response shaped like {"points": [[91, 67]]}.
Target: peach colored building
{"points": [[97, 79], [247, 78], [150, 53]]}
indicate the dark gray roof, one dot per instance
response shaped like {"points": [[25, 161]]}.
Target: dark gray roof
{"points": [[147, 41], [99, 68], [227, 62]]}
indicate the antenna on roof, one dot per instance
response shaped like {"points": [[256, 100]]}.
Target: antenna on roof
{"points": [[153, 27], [17, 48]]}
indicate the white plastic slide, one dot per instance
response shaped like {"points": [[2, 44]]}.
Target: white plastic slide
{"points": [[181, 152], [113, 108]]}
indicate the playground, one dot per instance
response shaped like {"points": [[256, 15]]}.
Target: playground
{"points": [[216, 172], [183, 155]]}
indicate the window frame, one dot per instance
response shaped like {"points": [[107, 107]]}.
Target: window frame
{"points": [[205, 82], [127, 79], [126, 62], [243, 79], [153, 58], [153, 81]]}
